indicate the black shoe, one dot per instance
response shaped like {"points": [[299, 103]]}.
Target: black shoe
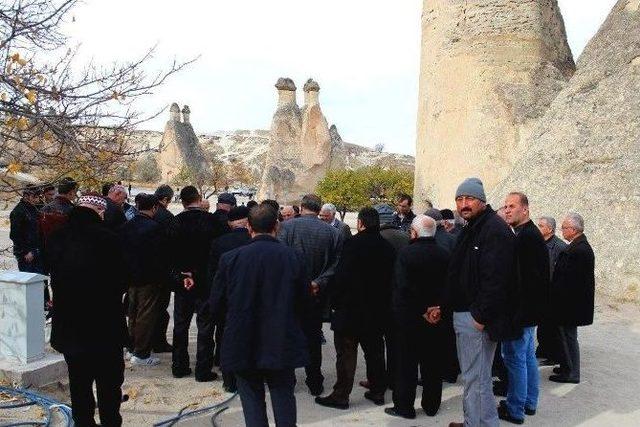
{"points": [[331, 402], [163, 348], [181, 373], [563, 379], [315, 390], [558, 370], [206, 377], [548, 362], [323, 340], [451, 379], [503, 403], [500, 388], [230, 388], [503, 414], [378, 399], [394, 413]]}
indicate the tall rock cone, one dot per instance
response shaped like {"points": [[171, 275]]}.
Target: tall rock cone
{"points": [[584, 153], [316, 139], [180, 150], [283, 157], [489, 68]]}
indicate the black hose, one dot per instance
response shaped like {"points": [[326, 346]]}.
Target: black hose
{"points": [[181, 414]]}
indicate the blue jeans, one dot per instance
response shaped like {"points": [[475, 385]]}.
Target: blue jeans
{"points": [[522, 368]]}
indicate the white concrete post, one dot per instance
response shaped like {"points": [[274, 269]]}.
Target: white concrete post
{"points": [[21, 316]]}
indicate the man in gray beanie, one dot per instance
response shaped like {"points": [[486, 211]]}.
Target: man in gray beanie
{"points": [[481, 275]]}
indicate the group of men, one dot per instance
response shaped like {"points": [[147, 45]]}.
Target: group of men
{"points": [[261, 279]]}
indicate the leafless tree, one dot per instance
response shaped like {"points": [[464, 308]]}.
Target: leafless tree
{"points": [[57, 121]]}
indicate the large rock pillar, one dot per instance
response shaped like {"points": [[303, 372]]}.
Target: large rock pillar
{"points": [[488, 69]]}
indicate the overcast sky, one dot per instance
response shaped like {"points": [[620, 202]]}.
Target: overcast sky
{"points": [[364, 54]]}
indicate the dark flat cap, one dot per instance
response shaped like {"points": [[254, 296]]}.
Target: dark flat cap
{"points": [[239, 212], [227, 199]]}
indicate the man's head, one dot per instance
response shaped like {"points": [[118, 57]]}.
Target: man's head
{"points": [[164, 193], [226, 201], [572, 226], [147, 203], [238, 217], [385, 213], [118, 194], [94, 202], [448, 220], [470, 198], [516, 208], [328, 213], [311, 204], [287, 213], [190, 197], [30, 194], [251, 204], [272, 203], [368, 219], [263, 220], [48, 193], [423, 226], [205, 205], [404, 204], [67, 188], [547, 226]]}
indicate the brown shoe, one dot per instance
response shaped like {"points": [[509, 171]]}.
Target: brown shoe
{"points": [[456, 424], [365, 384]]}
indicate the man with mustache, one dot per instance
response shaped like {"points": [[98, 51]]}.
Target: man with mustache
{"points": [[480, 291]]}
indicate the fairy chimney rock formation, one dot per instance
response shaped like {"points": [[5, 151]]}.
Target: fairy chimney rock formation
{"points": [[180, 150], [300, 147], [488, 69], [584, 152]]}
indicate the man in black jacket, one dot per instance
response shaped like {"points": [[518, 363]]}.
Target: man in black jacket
{"points": [[165, 218], [420, 278], [404, 215], [191, 237], [114, 215], [444, 239], [25, 233], [265, 291], [360, 298], [237, 237], [91, 336], [572, 296], [480, 292], [226, 202], [145, 249], [319, 243], [533, 296]]}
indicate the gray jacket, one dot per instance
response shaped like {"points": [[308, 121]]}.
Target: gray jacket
{"points": [[555, 245]]}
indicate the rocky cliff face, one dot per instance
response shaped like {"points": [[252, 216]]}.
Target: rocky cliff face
{"points": [[584, 153], [489, 69]]}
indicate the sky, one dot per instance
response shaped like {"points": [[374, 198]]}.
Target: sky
{"points": [[364, 54]]}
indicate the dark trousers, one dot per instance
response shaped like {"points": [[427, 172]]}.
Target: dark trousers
{"points": [[548, 342], [313, 332], [106, 369], [162, 323], [35, 266], [251, 389], [423, 346], [498, 369], [143, 317], [346, 359], [569, 352], [184, 307]]}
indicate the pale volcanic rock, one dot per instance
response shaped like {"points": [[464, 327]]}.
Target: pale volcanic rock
{"points": [[584, 153], [489, 69], [180, 147]]}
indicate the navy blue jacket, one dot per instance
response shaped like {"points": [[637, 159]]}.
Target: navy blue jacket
{"points": [[146, 249], [266, 293]]}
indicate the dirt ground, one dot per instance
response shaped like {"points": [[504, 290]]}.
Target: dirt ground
{"points": [[609, 394]]}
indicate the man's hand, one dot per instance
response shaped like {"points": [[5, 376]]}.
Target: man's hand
{"points": [[315, 288], [187, 281], [478, 326], [29, 257], [433, 315]]}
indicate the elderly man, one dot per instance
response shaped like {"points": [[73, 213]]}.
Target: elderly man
{"points": [[572, 296], [446, 240], [319, 244], [226, 201], [287, 213], [481, 279], [548, 334], [91, 336], [237, 237], [264, 290], [404, 215], [533, 294], [328, 215], [360, 299], [114, 215], [420, 278]]}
